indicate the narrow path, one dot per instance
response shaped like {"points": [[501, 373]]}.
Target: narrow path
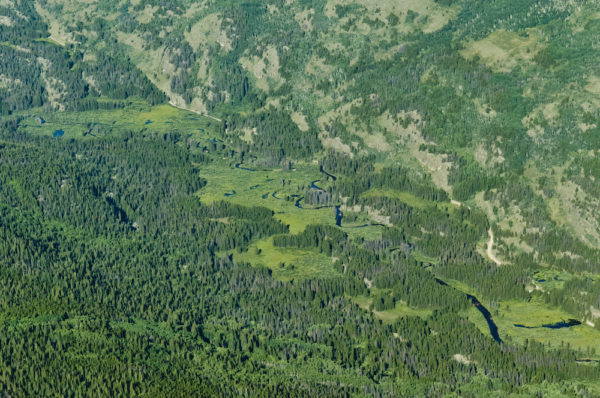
{"points": [[490, 245], [196, 112]]}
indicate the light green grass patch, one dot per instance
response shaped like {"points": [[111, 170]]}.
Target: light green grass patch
{"points": [[503, 50], [288, 263], [256, 188], [164, 119], [401, 310], [371, 232], [49, 40], [417, 255], [537, 313], [389, 316]]}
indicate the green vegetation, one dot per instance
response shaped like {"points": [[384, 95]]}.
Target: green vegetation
{"points": [[224, 198]]}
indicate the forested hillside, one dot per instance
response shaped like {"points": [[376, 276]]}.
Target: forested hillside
{"points": [[294, 198]]}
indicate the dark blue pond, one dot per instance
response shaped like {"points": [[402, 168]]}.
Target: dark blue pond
{"points": [[297, 204], [558, 325], [58, 133], [42, 121], [231, 194], [148, 122], [254, 187], [338, 216], [265, 195], [275, 193]]}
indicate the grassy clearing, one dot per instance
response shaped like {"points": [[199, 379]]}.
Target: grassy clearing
{"points": [[300, 120], [390, 316], [277, 190], [503, 50], [533, 313], [401, 310], [288, 263], [207, 31], [530, 313], [163, 118], [55, 28], [537, 313], [417, 255], [552, 278], [268, 188]]}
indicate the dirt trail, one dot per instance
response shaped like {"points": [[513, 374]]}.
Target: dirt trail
{"points": [[490, 245], [196, 112]]}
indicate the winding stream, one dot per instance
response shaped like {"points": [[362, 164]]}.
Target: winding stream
{"points": [[327, 174], [484, 311], [314, 186], [238, 166]]}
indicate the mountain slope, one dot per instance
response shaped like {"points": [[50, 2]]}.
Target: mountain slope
{"points": [[330, 190]]}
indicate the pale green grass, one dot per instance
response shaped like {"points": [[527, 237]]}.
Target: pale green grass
{"points": [[401, 309], [164, 118], [537, 313], [252, 186], [287, 263], [503, 50], [417, 255], [371, 232], [530, 313]]}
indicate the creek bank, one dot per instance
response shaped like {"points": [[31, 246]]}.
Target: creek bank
{"points": [[484, 311]]}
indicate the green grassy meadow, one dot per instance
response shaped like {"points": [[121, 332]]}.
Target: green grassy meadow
{"points": [[135, 117]]}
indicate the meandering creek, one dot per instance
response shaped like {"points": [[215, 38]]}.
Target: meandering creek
{"points": [[484, 311], [339, 215]]}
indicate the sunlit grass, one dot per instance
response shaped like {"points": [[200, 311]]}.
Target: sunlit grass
{"points": [[288, 263], [135, 117]]}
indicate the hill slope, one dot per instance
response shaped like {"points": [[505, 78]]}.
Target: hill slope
{"points": [[317, 188]]}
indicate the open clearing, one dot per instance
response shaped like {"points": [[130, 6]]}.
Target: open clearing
{"points": [[389, 316], [162, 118], [503, 50], [288, 263]]}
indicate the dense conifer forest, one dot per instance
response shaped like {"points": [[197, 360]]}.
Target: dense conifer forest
{"points": [[299, 198]]}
